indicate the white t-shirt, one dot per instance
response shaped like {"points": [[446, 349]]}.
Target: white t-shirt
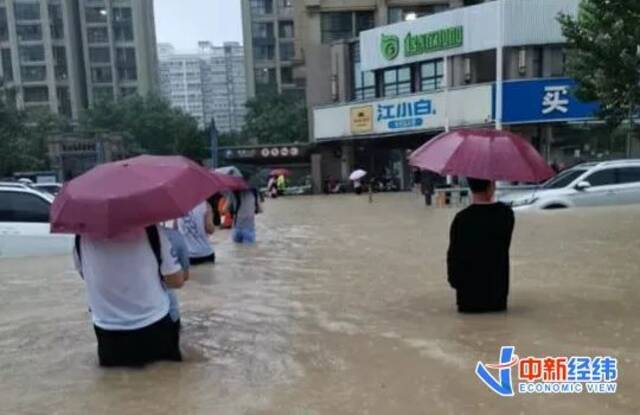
{"points": [[124, 289], [195, 235]]}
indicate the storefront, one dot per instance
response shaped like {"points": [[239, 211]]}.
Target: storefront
{"points": [[445, 71], [260, 160]]}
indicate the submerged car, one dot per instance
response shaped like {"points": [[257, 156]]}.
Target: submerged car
{"points": [[24, 223], [615, 182]]}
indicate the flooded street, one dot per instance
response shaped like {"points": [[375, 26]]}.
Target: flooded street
{"points": [[341, 308]]}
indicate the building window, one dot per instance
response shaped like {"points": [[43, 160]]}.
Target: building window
{"points": [[36, 94], [33, 73], [286, 51], [401, 14], [261, 7], [98, 35], [7, 67], [99, 55], [102, 93], [364, 83], [126, 63], [27, 11], [28, 32], [263, 52], [56, 20], [397, 81], [122, 24], [286, 75], [286, 30], [344, 25], [262, 30], [60, 62], [101, 75], [96, 14], [431, 75], [4, 27], [32, 53], [64, 101]]}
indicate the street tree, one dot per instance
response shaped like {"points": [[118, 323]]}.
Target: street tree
{"points": [[153, 125], [604, 57], [276, 118]]}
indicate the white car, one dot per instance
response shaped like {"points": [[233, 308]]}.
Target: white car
{"points": [[24, 223], [604, 183]]}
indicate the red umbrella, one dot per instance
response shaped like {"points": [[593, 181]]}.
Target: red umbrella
{"points": [[280, 172], [482, 154], [233, 183], [116, 197]]}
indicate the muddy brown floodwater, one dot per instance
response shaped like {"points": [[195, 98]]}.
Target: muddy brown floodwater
{"points": [[341, 308]]}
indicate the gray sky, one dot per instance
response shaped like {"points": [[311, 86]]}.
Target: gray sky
{"points": [[184, 22]]}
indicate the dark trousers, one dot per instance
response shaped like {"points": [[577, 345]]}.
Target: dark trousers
{"points": [[203, 260], [136, 348]]}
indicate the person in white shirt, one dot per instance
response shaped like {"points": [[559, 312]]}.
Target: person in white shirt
{"points": [[125, 279], [196, 226]]}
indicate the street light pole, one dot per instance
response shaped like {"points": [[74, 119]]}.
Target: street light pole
{"points": [[499, 65], [213, 138]]}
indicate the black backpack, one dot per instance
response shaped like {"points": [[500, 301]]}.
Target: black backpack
{"points": [[154, 240]]}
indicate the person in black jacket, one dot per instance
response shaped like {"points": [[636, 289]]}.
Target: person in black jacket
{"points": [[478, 255]]}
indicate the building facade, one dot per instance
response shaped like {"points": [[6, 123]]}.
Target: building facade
{"points": [[376, 97], [207, 84], [60, 56], [270, 41]]}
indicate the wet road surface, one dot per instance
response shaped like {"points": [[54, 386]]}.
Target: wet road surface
{"points": [[341, 308]]}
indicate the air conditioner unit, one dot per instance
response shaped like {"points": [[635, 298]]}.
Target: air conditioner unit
{"points": [[522, 61]]}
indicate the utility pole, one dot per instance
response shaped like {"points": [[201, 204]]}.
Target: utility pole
{"points": [[213, 138]]}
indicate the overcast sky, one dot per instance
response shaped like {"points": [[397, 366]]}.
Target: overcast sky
{"points": [[185, 22]]}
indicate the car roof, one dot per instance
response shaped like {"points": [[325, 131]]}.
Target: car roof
{"points": [[14, 185], [25, 189], [610, 163]]}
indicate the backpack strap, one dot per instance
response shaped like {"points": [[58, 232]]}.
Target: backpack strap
{"points": [[78, 247], [154, 240]]}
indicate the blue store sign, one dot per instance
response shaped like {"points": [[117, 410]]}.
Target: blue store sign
{"points": [[543, 100]]}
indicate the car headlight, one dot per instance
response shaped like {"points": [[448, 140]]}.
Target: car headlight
{"points": [[524, 202]]}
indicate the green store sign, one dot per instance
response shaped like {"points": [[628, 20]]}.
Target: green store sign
{"points": [[421, 44]]}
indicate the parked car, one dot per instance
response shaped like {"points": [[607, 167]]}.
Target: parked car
{"points": [[24, 223], [53, 188], [615, 182]]}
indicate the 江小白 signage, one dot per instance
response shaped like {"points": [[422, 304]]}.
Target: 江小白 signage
{"points": [[421, 43]]}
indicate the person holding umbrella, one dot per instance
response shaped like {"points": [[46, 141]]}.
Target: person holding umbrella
{"points": [[356, 177], [480, 235], [124, 258]]}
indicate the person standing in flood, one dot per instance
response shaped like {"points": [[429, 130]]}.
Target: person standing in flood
{"points": [[478, 255], [196, 226], [245, 205], [126, 278]]}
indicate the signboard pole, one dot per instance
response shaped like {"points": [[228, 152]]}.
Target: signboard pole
{"points": [[445, 80], [213, 136], [499, 65]]}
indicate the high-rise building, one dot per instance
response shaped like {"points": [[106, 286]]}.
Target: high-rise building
{"points": [[270, 44], [119, 47], [62, 55], [207, 84]]}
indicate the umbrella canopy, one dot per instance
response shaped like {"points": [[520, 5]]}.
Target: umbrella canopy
{"points": [[280, 172], [230, 171], [357, 174], [483, 154], [232, 177], [117, 197]]}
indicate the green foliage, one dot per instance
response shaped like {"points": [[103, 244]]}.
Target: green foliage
{"points": [[604, 55], [276, 119], [233, 138], [23, 136], [151, 123]]}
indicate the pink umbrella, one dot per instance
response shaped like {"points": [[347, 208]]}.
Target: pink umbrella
{"points": [[233, 183], [280, 172], [482, 154], [117, 197]]}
